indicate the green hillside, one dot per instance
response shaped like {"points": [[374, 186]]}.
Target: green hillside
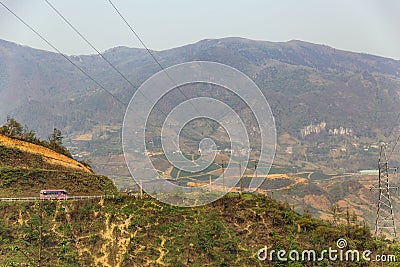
{"points": [[144, 232]]}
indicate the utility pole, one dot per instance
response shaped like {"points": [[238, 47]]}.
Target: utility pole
{"points": [[255, 170], [240, 177], [40, 234], [141, 189], [384, 215], [223, 174]]}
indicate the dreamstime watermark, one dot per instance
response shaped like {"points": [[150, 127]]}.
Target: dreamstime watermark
{"points": [[137, 122], [332, 254]]}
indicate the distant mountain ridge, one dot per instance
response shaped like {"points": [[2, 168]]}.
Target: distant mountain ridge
{"points": [[296, 52]]}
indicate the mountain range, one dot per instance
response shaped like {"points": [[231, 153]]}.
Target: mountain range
{"points": [[332, 108], [306, 85]]}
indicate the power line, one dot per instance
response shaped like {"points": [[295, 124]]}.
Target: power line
{"points": [[59, 52], [90, 44], [391, 152], [137, 36], [75, 65], [100, 54], [394, 125], [390, 133], [149, 51]]}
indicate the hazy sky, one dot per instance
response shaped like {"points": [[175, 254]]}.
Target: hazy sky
{"points": [[369, 26]]}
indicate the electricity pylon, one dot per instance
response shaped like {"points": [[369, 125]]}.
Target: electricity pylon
{"points": [[385, 222]]}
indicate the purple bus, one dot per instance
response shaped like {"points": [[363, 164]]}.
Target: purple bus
{"points": [[54, 194]]}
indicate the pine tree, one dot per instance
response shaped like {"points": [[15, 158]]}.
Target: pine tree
{"points": [[55, 139]]}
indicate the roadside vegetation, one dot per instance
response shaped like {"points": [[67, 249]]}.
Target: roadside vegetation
{"points": [[128, 231]]}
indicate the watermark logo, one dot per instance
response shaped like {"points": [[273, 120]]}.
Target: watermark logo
{"points": [[137, 126], [341, 253], [341, 243]]}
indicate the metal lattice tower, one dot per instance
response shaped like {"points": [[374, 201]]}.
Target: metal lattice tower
{"points": [[385, 223]]}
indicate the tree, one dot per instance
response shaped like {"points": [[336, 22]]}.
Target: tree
{"points": [[55, 139], [29, 135], [12, 128], [55, 143], [335, 210]]}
